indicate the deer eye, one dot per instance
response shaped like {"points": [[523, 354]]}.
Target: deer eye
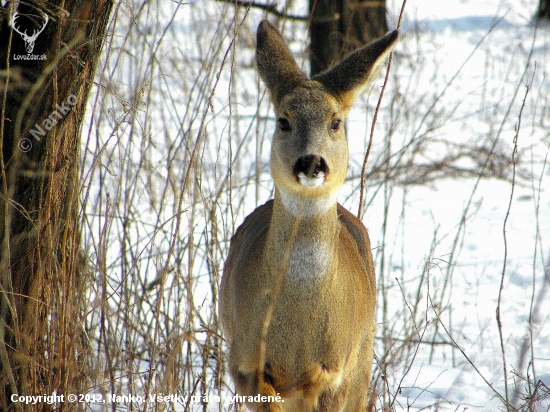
{"points": [[284, 125], [335, 125]]}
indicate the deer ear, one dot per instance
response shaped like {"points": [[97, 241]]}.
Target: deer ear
{"points": [[275, 63], [351, 75]]}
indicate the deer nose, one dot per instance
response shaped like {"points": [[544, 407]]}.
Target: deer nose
{"points": [[311, 167]]}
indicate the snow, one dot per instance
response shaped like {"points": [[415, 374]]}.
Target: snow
{"points": [[449, 380]]}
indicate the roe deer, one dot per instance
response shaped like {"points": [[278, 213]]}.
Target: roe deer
{"points": [[298, 293]]}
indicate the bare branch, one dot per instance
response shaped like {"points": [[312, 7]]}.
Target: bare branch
{"points": [[270, 8]]}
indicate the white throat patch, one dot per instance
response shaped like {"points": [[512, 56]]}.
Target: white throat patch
{"points": [[305, 206]]}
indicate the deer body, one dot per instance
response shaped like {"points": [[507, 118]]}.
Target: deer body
{"points": [[298, 294]]}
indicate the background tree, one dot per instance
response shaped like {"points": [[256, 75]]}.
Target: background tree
{"points": [[336, 27], [40, 262], [543, 10], [339, 27]]}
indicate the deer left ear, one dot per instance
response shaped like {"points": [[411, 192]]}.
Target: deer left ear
{"points": [[351, 75]]}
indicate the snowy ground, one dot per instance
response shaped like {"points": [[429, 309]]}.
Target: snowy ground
{"points": [[454, 29]]}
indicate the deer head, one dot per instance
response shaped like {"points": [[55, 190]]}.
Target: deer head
{"points": [[29, 40]]}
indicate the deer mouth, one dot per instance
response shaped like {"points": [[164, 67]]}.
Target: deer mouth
{"points": [[311, 170]]}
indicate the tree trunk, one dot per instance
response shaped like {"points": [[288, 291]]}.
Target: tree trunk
{"points": [[544, 10], [339, 27], [43, 89]]}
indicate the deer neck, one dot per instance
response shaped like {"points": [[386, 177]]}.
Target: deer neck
{"points": [[301, 241]]}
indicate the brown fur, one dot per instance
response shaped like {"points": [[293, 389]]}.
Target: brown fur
{"points": [[298, 294]]}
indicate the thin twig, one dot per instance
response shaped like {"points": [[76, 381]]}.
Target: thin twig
{"points": [[503, 275], [375, 117], [398, 390], [498, 395]]}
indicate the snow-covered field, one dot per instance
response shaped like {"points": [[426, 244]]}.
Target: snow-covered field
{"points": [[504, 239], [182, 148]]}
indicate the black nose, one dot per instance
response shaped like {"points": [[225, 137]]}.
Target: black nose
{"points": [[310, 165]]}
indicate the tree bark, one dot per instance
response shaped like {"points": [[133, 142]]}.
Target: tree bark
{"points": [[339, 27], [42, 106]]}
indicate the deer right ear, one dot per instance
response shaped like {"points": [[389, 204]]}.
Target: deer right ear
{"points": [[275, 63]]}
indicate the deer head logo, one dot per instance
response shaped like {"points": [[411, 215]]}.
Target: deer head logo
{"points": [[29, 40]]}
